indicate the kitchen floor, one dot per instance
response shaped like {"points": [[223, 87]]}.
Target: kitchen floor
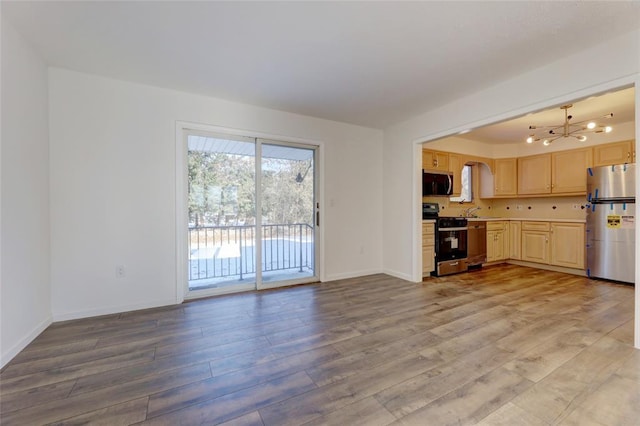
{"points": [[503, 345]]}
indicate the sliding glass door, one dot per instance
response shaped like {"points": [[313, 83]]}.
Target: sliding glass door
{"points": [[231, 247]]}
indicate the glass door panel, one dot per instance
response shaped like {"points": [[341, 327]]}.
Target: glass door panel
{"points": [[288, 208], [222, 222]]}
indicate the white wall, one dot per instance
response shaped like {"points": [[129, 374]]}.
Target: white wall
{"points": [[616, 62], [113, 189], [25, 290]]}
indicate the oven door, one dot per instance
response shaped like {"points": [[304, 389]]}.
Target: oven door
{"points": [[452, 243]]}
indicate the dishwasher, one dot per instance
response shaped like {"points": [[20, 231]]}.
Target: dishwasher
{"points": [[476, 243]]}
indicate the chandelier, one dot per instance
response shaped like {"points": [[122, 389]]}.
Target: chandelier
{"points": [[568, 129]]}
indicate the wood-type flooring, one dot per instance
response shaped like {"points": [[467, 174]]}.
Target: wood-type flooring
{"points": [[506, 345]]}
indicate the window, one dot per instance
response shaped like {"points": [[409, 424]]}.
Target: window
{"points": [[466, 193]]}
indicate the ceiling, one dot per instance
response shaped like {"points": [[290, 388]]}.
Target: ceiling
{"points": [[621, 103], [366, 63]]}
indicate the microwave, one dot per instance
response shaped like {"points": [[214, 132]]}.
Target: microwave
{"points": [[437, 184]]}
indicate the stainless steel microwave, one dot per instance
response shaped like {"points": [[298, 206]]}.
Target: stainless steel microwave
{"points": [[437, 184]]}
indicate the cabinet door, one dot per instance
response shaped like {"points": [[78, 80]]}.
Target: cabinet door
{"points": [[455, 167], [497, 241], [435, 160], [491, 246], [569, 171], [568, 245], [502, 243], [535, 246], [614, 153], [534, 174], [515, 240], [506, 177]]}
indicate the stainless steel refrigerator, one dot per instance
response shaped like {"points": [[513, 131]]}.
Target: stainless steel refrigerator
{"points": [[611, 222]]}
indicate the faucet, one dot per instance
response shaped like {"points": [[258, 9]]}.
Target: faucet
{"points": [[470, 211]]}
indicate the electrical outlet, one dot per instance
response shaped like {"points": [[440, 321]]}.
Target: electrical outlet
{"points": [[120, 271], [519, 207], [576, 206]]}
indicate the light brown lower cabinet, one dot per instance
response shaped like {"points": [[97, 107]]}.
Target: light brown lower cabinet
{"points": [[568, 244], [497, 241], [535, 242], [428, 249]]}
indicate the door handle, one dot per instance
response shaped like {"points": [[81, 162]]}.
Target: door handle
{"points": [[317, 218]]}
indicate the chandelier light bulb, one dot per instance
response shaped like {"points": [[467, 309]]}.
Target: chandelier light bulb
{"points": [[530, 139], [546, 142], [591, 126], [608, 129], [582, 138]]}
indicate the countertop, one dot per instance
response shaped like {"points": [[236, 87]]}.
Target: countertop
{"points": [[527, 219]]}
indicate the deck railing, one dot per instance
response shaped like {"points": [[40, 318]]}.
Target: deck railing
{"points": [[225, 251]]}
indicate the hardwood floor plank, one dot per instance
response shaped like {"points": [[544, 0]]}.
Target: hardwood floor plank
{"points": [[251, 419], [71, 359], [156, 336], [324, 400], [616, 402], [80, 404], [366, 412], [34, 396], [213, 346], [127, 413], [623, 333], [33, 353], [631, 367], [161, 365], [348, 365], [238, 403], [511, 415], [481, 397], [477, 338], [417, 392], [205, 390], [570, 383], [538, 362], [75, 371]]}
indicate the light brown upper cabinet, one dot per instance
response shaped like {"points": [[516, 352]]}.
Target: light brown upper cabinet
{"points": [[435, 160], [506, 176], [569, 171], [534, 174], [455, 167], [614, 153]]}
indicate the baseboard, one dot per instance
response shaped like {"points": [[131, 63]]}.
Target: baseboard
{"points": [[7, 356], [400, 275], [353, 274], [111, 310]]}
